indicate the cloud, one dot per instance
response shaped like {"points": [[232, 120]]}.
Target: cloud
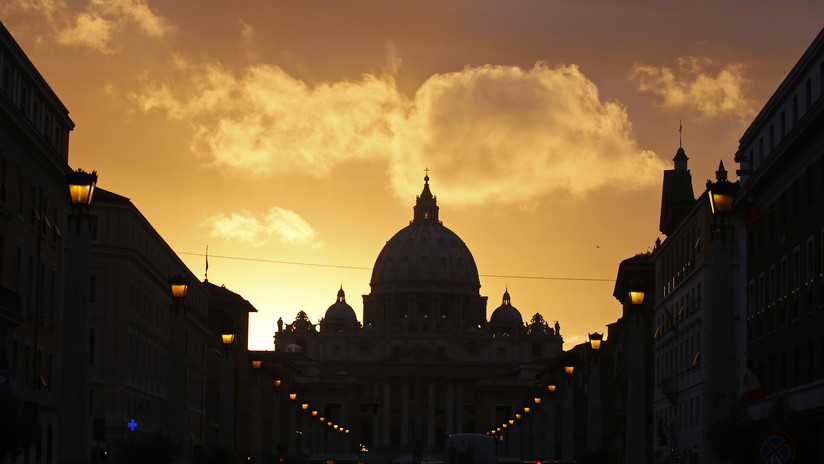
{"points": [[268, 122], [490, 133], [247, 31], [282, 224], [100, 24], [504, 134], [692, 87]]}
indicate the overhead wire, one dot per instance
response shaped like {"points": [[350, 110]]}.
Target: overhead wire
{"points": [[361, 268]]}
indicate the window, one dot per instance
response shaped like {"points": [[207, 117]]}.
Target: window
{"points": [[808, 95], [796, 283], [4, 175], [92, 289], [761, 292], [91, 347], [795, 109], [809, 278]]}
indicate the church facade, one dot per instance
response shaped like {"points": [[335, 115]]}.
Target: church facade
{"points": [[425, 361]]}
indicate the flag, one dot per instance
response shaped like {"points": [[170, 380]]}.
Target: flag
{"points": [[751, 388], [752, 213]]}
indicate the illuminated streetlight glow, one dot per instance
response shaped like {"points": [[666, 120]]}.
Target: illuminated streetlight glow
{"points": [[81, 187], [179, 285], [595, 340]]}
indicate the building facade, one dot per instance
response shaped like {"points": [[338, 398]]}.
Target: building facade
{"points": [[34, 207], [698, 340], [781, 203], [147, 352], [425, 362]]}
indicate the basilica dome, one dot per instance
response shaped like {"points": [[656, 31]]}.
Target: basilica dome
{"points": [[506, 319], [340, 317], [340, 310], [425, 254], [506, 313]]}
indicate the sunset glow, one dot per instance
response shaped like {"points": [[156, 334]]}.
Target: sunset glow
{"points": [[291, 138]]}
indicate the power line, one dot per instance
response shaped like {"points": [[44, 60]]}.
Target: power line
{"points": [[360, 268]]}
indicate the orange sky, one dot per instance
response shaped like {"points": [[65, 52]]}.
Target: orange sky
{"points": [[298, 131]]}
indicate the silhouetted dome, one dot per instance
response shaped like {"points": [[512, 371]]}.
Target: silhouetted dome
{"points": [[506, 313], [340, 310], [425, 253]]}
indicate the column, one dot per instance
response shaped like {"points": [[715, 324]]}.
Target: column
{"points": [[459, 425], [405, 414], [386, 409], [430, 422], [255, 432], [376, 416], [450, 391]]}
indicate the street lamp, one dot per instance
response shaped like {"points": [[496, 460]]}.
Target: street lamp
{"points": [[721, 192], [551, 388], [569, 368], [595, 340], [526, 409], [228, 338], [304, 406], [277, 383], [293, 396], [636, 296], [256, 363], [537, 400], [81, 187], [179, 284]]}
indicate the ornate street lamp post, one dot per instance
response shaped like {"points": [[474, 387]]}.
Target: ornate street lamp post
{"points": [[227, 391], [74, 438]]}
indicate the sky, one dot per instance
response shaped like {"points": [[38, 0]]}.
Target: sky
{"points": [[291, 137]]}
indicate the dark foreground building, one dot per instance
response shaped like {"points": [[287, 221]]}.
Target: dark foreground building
{"points": [[781, 203]]}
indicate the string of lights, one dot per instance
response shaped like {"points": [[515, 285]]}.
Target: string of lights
{"points": [[361, 268]]}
